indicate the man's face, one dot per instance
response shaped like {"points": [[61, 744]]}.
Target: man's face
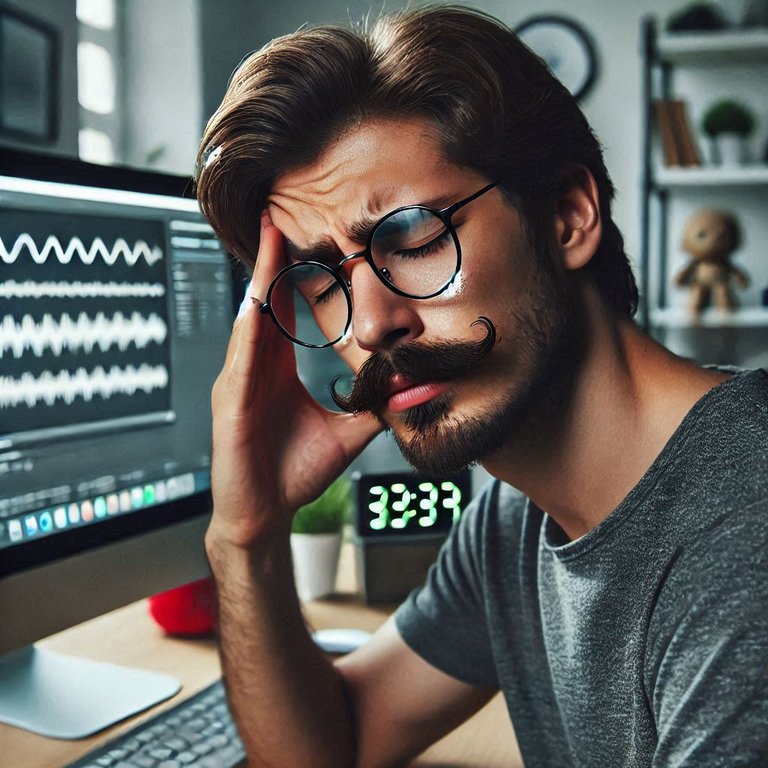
{"points": [[442, 422]]}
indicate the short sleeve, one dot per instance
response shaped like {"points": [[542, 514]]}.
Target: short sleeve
{"points": [[445, 620], [708, 653]]}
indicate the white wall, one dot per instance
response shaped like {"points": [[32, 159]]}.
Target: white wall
{"points": [[162, 70]]}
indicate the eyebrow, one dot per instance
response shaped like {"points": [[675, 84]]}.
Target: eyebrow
{"points": [[327, 252], [324, 251], [360, 230]]}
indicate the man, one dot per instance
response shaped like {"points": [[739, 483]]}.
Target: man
{"points": [[442, 207]]}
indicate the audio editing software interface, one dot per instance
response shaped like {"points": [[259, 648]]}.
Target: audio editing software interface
{"points": [[115, 310]]}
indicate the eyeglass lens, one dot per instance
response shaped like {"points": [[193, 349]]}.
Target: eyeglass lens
{"points": [[412, 248]]}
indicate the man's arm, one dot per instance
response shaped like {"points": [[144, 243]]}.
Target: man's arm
{"points": [[401, 703], [274, 449], [289, 703], [379, 706]]}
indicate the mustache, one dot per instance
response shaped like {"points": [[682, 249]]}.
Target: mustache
{"points": [[416, 361]]}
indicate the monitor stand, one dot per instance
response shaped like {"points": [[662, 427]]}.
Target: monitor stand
{"points": [[65, 697]]}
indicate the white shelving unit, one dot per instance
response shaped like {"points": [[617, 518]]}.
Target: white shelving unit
{"points": [[700, 68], [693, 47], [677, 317], [713, 176]]}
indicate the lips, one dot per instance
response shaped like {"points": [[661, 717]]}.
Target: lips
{"points": [[407, 393], [381, 385]]}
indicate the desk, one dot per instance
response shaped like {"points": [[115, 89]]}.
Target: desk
{"points": [[129, 636]]}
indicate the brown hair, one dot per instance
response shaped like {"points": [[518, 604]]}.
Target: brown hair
{"points": [[497, 108]]}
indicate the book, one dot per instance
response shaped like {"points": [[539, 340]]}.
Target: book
{"points": [[669, 145], [678, 143], [686, 142]]}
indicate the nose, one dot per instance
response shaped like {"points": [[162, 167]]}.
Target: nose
{"points": [[381, 319]]}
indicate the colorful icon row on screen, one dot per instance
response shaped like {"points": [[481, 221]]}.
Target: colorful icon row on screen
{"points": [[100, 507]]}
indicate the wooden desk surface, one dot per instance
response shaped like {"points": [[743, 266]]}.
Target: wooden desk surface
{"points": [[128, 636]]}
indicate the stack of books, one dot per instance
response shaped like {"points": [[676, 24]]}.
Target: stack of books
{"points": [[677, 139]]}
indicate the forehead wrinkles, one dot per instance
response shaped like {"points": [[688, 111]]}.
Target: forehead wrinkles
{"points": [[322, 212], [334, 201]]}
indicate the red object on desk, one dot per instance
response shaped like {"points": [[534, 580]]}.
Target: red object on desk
{"points": [[189, 610]]}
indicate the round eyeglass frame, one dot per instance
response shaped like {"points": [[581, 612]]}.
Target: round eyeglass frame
{"points": [[444, 214]]}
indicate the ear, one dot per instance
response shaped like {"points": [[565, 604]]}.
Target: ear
{"points": [[578, 228]]}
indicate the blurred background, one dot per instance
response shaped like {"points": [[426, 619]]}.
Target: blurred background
{"points": [[132, 82]]}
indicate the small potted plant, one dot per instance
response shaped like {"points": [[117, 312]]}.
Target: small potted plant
{"points": [[697, 17], [728, 124], [316, 540]]}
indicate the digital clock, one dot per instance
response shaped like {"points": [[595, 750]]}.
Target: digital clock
{"points": [[405, 504], [401, 521]]}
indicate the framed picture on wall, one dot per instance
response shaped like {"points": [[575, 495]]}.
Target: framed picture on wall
{"points": [[29, 58]]}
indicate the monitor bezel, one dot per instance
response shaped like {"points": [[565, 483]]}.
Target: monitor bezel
{"points": [[37, 576], [33, 553]]}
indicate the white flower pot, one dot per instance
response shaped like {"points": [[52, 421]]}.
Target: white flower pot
{"points": [[315, 563], [730, 149]]}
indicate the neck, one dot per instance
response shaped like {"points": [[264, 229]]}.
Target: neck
{"points": [[629, 397]]}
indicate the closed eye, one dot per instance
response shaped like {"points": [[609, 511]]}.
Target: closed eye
{"points": [[427, 249], [327, 294]]}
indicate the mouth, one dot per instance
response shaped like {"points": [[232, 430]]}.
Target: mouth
{"points": [[405, 393]]}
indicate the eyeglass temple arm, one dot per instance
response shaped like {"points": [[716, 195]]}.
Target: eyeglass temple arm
{"points": [[451, 209]]}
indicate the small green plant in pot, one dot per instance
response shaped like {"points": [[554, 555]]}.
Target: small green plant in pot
{"points": [[316, 539], [728, 123]]}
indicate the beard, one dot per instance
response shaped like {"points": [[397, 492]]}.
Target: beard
{"points": [[439, 442], [549, 347]]}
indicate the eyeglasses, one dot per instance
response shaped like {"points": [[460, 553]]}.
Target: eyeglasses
{"points": [[413, 250]]}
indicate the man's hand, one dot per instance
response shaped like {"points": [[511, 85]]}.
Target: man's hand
{"points": [[274, 447]]}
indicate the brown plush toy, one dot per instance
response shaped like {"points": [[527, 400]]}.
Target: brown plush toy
{"points": [[710, 237]]}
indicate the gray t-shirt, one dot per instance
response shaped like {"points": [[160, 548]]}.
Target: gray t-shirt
{"points": [[644, 642]]}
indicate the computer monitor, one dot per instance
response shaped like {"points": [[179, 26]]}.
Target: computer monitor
{"points": [[116, 304]]}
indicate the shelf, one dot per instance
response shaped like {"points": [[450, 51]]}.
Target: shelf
{"points": [[702, 65], [748, 317], [690, 47], [712, 176]]}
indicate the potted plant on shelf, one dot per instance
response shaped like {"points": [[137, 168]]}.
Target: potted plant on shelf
{"points": [[316, 540], [728, 124]]}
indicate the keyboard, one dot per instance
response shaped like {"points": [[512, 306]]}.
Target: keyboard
{"points": [[198, 732]]}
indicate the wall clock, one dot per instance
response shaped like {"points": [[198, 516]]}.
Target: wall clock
{"points": [[566, 49]]}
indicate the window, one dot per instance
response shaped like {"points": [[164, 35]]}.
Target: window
{"points": [[98, 82]]}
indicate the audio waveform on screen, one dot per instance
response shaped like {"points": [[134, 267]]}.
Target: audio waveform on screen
{"points": [[65, 253], [81, 334], [85, 330], [30, 289], [51, 387]]}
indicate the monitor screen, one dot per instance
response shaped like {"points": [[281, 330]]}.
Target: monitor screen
{"points": [[116, 304]]}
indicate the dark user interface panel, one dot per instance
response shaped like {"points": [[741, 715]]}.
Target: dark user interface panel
{"points": [[115, 310]]}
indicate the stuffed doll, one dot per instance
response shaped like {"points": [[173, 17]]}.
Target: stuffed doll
{"points": [[710, 237]]}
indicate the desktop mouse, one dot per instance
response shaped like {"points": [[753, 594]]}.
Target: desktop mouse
{"points": [[340, 640]]}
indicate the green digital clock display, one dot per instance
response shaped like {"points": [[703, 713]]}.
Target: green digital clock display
{"points": [[407, 504]]}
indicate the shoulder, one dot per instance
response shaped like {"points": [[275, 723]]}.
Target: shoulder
{"points": [[707, 648], [735, 546], [717, 582], [719, 464], [737, 411]]}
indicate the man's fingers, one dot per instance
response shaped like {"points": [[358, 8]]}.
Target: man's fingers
{"points": [[354, 432], [270, 258], [252, 329]]}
